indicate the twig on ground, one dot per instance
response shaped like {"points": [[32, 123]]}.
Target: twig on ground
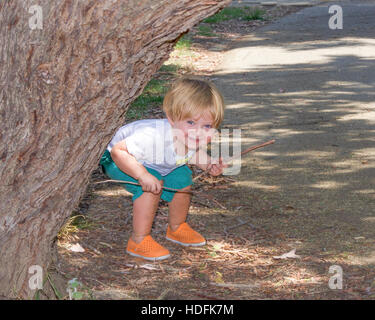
{"points": [[201, 203], [91, 248], [238, 225], [163, 294], [209, 197], [146, 266], [106, 244], [235, 285], [208, 297], [127, 218]]}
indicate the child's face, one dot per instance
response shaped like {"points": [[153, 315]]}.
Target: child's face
{"points": [[194, 132]]}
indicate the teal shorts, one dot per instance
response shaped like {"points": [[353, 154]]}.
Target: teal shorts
{"points": [[179, 178]]}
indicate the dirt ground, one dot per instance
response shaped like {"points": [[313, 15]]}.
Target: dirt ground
{"points": [[246, 230]]}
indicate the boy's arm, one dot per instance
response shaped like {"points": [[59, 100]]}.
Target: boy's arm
{"points": [[202, 160], [127, 163]]}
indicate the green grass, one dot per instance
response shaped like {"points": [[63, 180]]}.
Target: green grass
{"points": [[75, 223], [183, 47], [171, 68], [245, 13], [255, 14], [184, 43], [205, 31], [152, 95], [224, 15]]}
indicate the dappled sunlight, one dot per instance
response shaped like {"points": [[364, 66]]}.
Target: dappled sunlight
{"points": [[267, 153], [343, 164], [344, 171], [329, 185], [247, 83], [363, 260], [345, 85], [254, 61], [289, 132], [114, 191], [262, 124], [287, 55], [310, 154], [344, 41], [257, 185], [366, 191], [315, 97], [366, 152], [293, 170], [306, 93], [368, 116], [238, 106]]}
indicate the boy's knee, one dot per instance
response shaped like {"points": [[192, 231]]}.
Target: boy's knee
{"points": [[188, 188]]}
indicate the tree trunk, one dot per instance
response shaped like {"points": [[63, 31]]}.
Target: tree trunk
{"points": [[64, 91]]}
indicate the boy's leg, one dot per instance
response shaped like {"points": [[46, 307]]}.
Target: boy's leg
{"points": [[141, 244], [178, 230], [144, 208], [179, 208], [145, 203], [178, 202]]}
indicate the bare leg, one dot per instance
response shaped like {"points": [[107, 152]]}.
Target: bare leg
{"points": [[179, 208], [144, 209]]}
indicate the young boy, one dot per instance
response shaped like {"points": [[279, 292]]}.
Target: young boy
{"points": [[154, 153]]}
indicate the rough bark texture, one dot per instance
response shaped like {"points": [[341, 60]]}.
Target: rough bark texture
{"points": [[64, 91]]}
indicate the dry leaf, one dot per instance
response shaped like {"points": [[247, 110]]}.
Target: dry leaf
{"points": [[219, 277], [291, 254], [76, 248], [144, 266], [148, 267]]}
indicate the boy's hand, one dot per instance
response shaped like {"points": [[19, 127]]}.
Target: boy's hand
{"points": [[216, 169], [150, 183]]}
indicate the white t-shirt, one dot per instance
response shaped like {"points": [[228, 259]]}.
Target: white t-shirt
{"points": [[150, 141]]}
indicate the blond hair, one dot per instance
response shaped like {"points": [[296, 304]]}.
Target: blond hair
{"points": [[189, 97]]}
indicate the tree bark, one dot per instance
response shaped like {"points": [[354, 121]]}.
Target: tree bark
{"points": [[64, 91]]}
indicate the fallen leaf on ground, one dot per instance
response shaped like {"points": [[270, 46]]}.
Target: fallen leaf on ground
{"points": [[143, 266], [291, 254], [76, 248], [148, 267]]}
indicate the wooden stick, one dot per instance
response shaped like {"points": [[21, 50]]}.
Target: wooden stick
{"points": [[257, 146], [177, 190], [242, 153], [137, 184]]}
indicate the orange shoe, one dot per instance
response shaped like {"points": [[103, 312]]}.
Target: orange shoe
{"points": [[147, 249], [185, 236]]}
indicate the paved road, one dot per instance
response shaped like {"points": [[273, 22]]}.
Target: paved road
{"points": [[312, 89]]}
